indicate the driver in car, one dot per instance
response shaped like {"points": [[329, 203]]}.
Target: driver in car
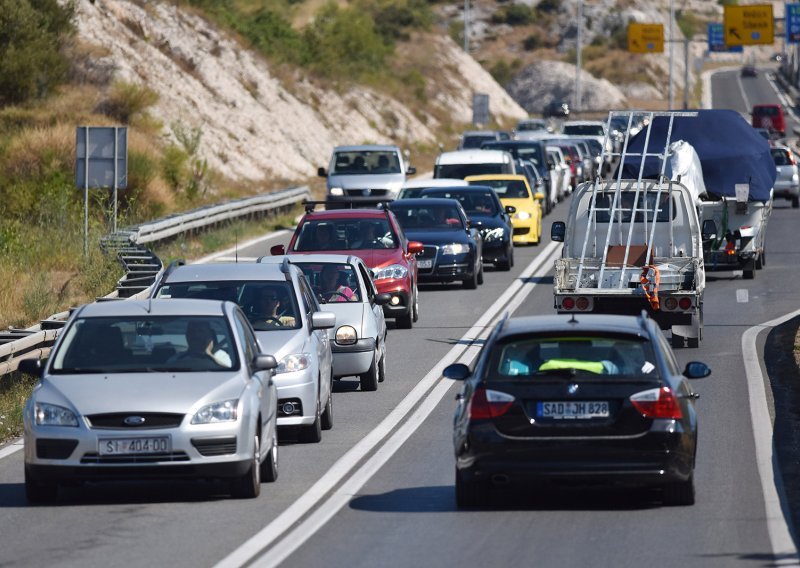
{"points": [[332, 290], [267, 310]]}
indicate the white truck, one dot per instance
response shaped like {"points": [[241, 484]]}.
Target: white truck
{"points": [[633, 244]]}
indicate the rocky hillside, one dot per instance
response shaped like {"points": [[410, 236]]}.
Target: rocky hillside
{"points": [[254, 125]]}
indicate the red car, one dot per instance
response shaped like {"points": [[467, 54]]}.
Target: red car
{"points": [[769, 116], [376, 237]]}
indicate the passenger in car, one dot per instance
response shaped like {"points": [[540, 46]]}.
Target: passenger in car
{"points": [[201, 344], [333, 289]]}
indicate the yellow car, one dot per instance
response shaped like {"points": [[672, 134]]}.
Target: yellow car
{"points": [[514, 190]]}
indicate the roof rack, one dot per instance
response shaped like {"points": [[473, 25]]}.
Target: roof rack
{"points": [[285, 263], [347, 203]]}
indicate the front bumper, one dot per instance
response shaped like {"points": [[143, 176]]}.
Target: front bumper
{"points": [[400, 304], [449, 268], [297, 387], [353, 359], [495, 251], [525, 231], [786, 190]]}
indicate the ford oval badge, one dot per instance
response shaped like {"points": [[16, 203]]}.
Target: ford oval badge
{"points": [[134, 421]]}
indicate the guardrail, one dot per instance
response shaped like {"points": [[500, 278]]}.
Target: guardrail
{"points": [[141, 265]]}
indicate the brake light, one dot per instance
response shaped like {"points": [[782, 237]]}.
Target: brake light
{"points": [[487, 403], [685, 303], [657, 403], [568, 303], [582, 303], [792, 159]]}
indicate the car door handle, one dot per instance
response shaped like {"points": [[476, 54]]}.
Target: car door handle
{"points": [[692, 395]]}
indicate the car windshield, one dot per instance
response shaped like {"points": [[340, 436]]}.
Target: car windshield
{"points": [[529, 358], [332, 282], [269, 305], [473, 202], [145, 343], [584, 129], [475, 140], [523, 126], [345, 234], [507, 188], [766, 111], [434, 216], [460, 171], [363, 162], [780, 156]]}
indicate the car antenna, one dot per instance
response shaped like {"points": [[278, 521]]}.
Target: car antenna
{"points": [[236, 247], [572, 319]]}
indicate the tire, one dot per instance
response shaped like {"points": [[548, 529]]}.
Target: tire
{"points": [[40, 492], [312, 433], [471, 283], [248, 486], [795, 202], [693, 342], [269, 467], [505, 265], [679, 493], [405, 321], [763, 257], [369, 380], [759, 263], [470, 493], [415, 304], [326, 422], [382, 369], [511, 250], [480, 274], [749, 274], [677, 340]]}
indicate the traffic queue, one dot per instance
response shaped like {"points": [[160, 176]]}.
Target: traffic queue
{"points": [[252, 349]]}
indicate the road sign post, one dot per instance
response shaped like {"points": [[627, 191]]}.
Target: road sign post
{"points": [[645, 38], [748, 24], [101, 161]]}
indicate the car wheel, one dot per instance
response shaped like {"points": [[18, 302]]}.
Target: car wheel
{"points": [[679, 493], [312, 433], [269, 467], [248, 486], [405, 321], [749, 274], [795, 202], [505, 264], [37, 491], [470, 493], [382, 369], [327, 414], [369, 380], [677, 340], [471, 283], [415, 303], [480, 273]]}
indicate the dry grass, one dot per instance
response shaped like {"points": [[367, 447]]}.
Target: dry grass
{"points": [[40, 149]]}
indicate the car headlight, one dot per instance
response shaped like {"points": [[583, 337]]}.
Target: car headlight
{"points": [[336, 191], [224, 411], [795, 178], [522, 215], [391, 271], [493, 234], [294, 362], [346, 335], [52, 415], [454, 248]]}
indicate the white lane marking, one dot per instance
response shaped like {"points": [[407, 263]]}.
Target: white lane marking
{"points": [[231, 251], [742, 295], [744, 95], [295, 539], [784, 98], [270, 533], [780, 535], [12, 448]]}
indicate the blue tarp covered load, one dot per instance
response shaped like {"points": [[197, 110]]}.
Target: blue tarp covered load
{"points": [[730, 152]]}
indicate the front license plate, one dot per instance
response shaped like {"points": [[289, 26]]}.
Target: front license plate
{"points": [[128, 446], [572, 410], [424, 263]]}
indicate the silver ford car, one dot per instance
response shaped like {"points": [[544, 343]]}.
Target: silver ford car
{"points": [[152, 389], [288, 322], [344, 286]]}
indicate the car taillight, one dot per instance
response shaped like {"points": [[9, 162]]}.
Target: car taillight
{"points": [[568, 303], [487, 403], [685, 303], [582, 303], [670, 303], [792, 159], [657, 403]]}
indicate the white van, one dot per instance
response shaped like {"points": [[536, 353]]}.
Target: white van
{"points": [[463, 163]]}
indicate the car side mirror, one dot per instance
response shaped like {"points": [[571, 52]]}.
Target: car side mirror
{"points": [[456, 372], [382, 299], [551, 164], [33, 367], [415, 247], [321, 172], [709, 229], [277, 250], [557, 231], [263, 362], [538, 196], [510, 209], [411, 171], [696, 370], [323, 320]]}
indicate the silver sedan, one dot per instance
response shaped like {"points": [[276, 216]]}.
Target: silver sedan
{"points": [[152, 389]]}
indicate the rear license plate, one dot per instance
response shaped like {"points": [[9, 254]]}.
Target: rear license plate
{"points": [[129, 446], [425, 263], [571, 410]]}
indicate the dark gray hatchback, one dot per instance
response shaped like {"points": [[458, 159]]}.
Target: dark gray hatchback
{"points": [[592, 398]]}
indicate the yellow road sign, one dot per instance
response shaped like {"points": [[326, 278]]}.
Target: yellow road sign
{"points": [[645, 38], [748, 25]]}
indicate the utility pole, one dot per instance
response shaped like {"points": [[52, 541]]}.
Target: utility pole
{"points": [[578, 60], [685, 73], [466, 26], [671, 38]]}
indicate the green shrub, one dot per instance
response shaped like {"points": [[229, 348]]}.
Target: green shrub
{"points": [[503, 71], [547, 6], [514, 15], [393, 18], [32, 33], [532, 42], [127, 100], [173, 166]]}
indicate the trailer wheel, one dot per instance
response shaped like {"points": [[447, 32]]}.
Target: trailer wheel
{"points": [[749, 274], [677, 340]]}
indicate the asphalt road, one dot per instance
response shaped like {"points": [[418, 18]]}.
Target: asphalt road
{"points": [[394, 505]]}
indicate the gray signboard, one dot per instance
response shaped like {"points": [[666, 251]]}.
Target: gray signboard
{"points": [[98, 149], [480, 108]]}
